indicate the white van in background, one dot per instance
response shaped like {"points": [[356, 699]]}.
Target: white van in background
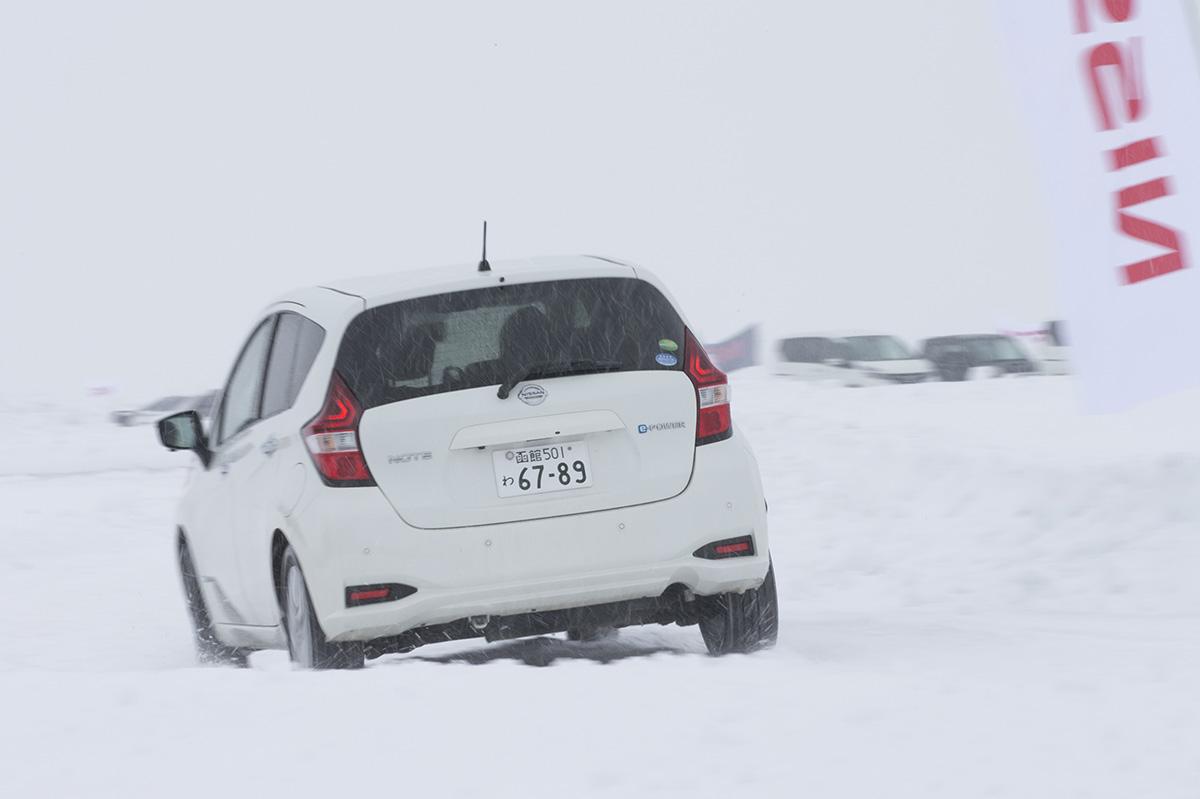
{"points": [[855, 360]]}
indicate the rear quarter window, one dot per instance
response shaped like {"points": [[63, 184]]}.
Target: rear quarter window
{"points": [[297, 341], [469, 339]]}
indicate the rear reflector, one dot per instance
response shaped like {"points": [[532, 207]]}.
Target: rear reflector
{"points": [[379, 592], [743, 546], [713, 420]]}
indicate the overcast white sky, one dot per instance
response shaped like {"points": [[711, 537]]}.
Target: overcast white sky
{"points": [[166, 169]]}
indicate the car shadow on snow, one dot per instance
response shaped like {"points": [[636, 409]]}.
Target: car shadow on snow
{"points": [[545, 651]]}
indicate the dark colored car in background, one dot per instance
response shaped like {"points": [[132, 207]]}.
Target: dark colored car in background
{"points": [[955, 356]]}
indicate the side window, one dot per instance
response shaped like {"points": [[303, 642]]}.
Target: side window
{"points": [[297, 341], [801, 350], [240, 402]]}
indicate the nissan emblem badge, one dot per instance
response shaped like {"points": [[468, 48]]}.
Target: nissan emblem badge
{"points": [[532, 394]]}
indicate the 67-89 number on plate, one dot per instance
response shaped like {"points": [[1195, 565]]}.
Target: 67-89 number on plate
{"points": [[540, 470]]}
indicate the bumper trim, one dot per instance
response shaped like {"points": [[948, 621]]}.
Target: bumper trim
{"points": [[676, 605]]}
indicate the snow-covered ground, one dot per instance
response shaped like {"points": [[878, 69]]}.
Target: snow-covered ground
{"points": [[984, 594]]}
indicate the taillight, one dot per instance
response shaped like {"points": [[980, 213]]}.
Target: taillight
{"points": [[332, 439], [713, 422]]}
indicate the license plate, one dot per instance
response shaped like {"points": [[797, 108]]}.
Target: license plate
{"points": [[540, 470]]}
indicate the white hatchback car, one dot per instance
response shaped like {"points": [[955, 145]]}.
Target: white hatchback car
{"points": [[464, 452], [852, 359]]}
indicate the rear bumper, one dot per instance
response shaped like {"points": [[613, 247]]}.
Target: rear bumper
{"points": [[348, 537], [441, 605]]}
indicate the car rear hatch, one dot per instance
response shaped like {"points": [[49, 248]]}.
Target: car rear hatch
{"points": [[604, 418]]}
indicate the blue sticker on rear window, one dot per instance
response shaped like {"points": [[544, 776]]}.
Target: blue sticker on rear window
{"points": [[666, 359]]}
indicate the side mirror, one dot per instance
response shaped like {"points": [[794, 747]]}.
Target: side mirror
{"points": [[183, 431], [840, 363]]}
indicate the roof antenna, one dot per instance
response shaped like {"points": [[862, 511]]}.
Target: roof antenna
{"points": [[484, 266]]}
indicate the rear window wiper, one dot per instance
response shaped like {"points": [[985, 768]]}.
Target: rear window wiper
{"points": [[555, 369]]}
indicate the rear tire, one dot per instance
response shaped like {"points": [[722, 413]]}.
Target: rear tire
{"points": [[307, 644], [740, 623], [209, 648]]}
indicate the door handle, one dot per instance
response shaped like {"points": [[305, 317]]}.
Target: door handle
{"points": [[269, 446]]}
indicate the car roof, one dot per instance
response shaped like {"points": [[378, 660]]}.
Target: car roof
{"points": [[373, 290], [421, 281]]}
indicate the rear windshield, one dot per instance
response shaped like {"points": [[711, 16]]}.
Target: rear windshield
{"points": [[481, 337]]}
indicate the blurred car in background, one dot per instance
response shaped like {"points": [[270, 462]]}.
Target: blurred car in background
{"points": [[149, 414], [859, 359], [1050, 348], [967, 357], [206, 404]]}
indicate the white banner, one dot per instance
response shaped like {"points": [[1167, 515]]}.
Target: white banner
{"points": [[1112, 90]]}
